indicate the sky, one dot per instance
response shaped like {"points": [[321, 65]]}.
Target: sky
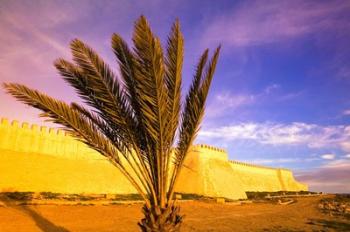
{"points": [[281, 92]]}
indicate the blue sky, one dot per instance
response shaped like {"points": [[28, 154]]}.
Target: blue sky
{"points": [[281, 93]]}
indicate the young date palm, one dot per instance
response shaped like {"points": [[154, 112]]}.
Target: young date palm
{"points": [[135, 121]]}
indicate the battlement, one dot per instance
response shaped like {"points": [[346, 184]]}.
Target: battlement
{"points": [[32, 138], [256, 165], [210, 152], [208, 147], [48, 159], [33, 127]]}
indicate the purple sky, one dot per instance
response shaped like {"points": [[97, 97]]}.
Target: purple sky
{"points": [[281, 94]]}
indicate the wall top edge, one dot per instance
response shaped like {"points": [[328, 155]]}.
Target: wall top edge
{"points": [[257, 165], [209, 147], [31, 126]]}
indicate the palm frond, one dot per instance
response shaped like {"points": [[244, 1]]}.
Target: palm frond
{"points": [[150, 79], [103, 83], [76, 124], [85, 89], [126, 61], [193, 113], [153, 99], [59, 112], [112, 135], [173, 62], [134, 120]]}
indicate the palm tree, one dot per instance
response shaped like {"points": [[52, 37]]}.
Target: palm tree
{"points": [[136, 121]]}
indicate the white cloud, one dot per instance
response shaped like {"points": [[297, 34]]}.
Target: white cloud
{"points": [[346, 112], [347, 156], [328, 156], [280, 160], [332, 177], [311, 135], [234, 101], [339, 163], [257, 22], [290, 96], [227, 101], [270, 88]]}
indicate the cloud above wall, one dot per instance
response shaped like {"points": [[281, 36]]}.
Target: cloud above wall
{"points": [[331, 177], [280, 160], [226, 101], [328, 156], [277, 134], [346, 112], [261, 22]]}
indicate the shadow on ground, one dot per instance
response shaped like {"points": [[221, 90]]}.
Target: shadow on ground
{"points": [[44, 224], [41, 222], [330, 224], [281, 229]]}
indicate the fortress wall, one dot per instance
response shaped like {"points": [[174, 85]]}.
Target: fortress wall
{"points": [[43, 173], [256, 178], [34, 139], [190, 178], [210, 152], [207, 172], [288, 181], [38, 159]]}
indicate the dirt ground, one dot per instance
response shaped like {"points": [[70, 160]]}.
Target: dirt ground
{"points": [[200, 216]]}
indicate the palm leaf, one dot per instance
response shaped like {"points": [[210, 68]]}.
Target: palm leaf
{"points": [[133, 120], [174, 61], [76, 124], [61, 113], [85, 88], [126, 61], [193, 113], [152, 90]]}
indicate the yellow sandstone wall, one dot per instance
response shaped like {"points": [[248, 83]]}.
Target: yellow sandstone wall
{"points": [[39, 159], [207, 172], [256, 178], [46, 160]]}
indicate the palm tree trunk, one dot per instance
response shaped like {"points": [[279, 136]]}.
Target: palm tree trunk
{"points": [[161, 219]]}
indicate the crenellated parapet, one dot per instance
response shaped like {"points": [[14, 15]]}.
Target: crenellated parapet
{"points": [[210, 152], [210, 148], [239, 163], [32, 138], [48, 159]]}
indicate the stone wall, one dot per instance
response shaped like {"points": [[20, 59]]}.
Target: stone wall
{"points": [[256, 178], [39, 159]]}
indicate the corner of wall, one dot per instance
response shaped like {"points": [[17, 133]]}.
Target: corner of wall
{"points": [[4, 122], [211, 152]]}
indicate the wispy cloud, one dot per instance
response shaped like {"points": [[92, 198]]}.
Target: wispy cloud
{"points": [[331, 177], [226, 101], [346, 112], [31, 39], [328, 156], [280, 160], [264, 22], [311, 135], [234, 101], [271, 88]]}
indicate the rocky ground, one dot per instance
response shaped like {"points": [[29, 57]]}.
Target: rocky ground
{"points": [[316, 213], [338, 205]]}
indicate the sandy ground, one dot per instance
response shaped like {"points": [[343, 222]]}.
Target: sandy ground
{"points": [[200, 216]]}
